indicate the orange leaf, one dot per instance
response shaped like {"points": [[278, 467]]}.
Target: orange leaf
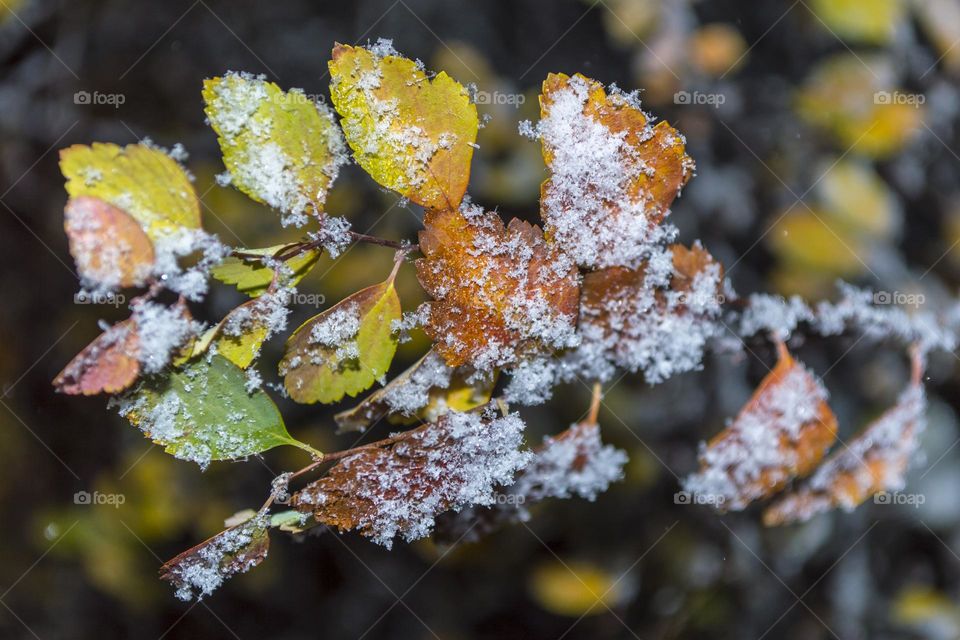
{"points": [[108, 364], [109, 246], [613, 173], [781, 433], [872, 462], [500, 293], [659, 326]]}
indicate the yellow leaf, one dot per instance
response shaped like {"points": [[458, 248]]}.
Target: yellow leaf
{"points": [[412, 133], [868, 21], [808, 240], [576, 588], [281, 148], [857, 198], [252, 277], [143, 181], [344, 349]]}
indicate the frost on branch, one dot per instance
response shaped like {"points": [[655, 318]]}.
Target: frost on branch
{"points": [[427, 390], [399, 490], [613, 174], [874, 461], [201, 570], [572, 463], [656, 319], [500, 293], [781, 433]]}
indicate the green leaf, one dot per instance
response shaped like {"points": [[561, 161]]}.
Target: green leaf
{"points": [[412, 133], [252, 277], [344, 349], [239, 336], [141, 180], [281, 148], [203, 412]]}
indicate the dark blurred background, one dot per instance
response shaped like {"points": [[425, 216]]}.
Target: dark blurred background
{"points": [[849, 106]]}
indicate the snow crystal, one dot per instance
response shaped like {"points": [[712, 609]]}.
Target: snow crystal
{"points": [[774, 315], [192, 282], [160, 330], [531, 382], [412, 394], [334, 233]]}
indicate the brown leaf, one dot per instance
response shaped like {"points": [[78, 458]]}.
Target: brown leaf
{"points": [[613, 173], [204, 567], [500, 293], [109, 364], [109, 246], [399, 488], [872, 462], [780, 434]]}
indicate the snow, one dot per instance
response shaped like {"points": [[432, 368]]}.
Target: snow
{"points": [[160, 331], [456, 463], [757, 449], [412, 394]]}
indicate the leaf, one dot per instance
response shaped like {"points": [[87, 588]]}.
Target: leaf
{"points": [[499, 293], [281, 148], [238, 337], [780, 434], [109, 247], [109, 364], [425, 391], [412, 133], [577, 589], [866, 21], [252, 277], [399, 488], [613, 175], [203, 412], [344, 349], [203, 568], [141, 180], [872, 462], [658, 323]]}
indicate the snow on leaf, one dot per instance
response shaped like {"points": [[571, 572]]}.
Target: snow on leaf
{"points": [[252, 276], [399, 490], [613, 174], [781, 433], [411, 132], [873, 461], [203, 413], [110, 247], [425, 391], [201, 570], [140, 179], [344, 349], [656, 318], [281, 148], [109, 364], [499, 293], [161, 330]]}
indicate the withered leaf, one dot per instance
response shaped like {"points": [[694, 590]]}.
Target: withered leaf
{"points": [[780, 434], [499, 293], [109, 364], [872, 462]]}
